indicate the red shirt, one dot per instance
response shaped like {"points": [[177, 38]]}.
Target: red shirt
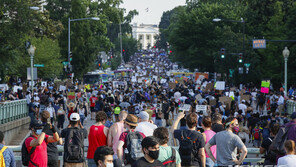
{"points": [[96, 138], [123, 137], [93, 101], [39, 156]]}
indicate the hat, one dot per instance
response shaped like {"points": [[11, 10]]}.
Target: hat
{"points": [[74, 117], [293, 116], [131, 120], [71, 105], [243, 101], [144, 116], [36, 125]]}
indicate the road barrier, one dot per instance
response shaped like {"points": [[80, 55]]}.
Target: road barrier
{"points": [[13, 110], [251, 151]]}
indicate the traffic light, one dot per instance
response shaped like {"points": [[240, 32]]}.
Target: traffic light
{"points": [[240, 57], [222, 53]]}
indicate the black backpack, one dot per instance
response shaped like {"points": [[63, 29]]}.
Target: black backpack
{"points": [[186, 149], [26, 155], [134, 147], [271, 156], [277, 144], [74, 151], [170, 162]]}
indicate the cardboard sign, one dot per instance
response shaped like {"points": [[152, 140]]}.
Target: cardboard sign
{"points": [[209, 87], [172, 85], [213, 102], [246, 98], [162, 81], [134, 79], [4, 87], [202, 108], [69, 83], [198, 97], [233, 89], [220, 85], [226, 101], [185, 107]]}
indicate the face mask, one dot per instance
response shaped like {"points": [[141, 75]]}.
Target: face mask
{"points": [[153, 154], [38, 131], [235, 129], [109, 165]]}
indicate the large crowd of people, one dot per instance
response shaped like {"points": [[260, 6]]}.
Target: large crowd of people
{"points": [[139, 123]]}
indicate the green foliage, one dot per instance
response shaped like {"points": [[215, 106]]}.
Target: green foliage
{"points": [[196, 40]]}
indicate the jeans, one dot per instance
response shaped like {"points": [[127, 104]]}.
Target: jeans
{"points": [[209, 162], [82, 117], [32, 116], [158, 122], [61, 120], [91, 163]]}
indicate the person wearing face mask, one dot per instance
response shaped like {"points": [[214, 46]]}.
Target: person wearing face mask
{"points": [[38, 142], [103, 157], [150, 148], [227, 149]]}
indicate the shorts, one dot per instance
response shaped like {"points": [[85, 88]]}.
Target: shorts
{"points": [[92, 109], [166, 116]]}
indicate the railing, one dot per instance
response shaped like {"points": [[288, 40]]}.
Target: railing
{"points": [[13, 110], [291, 106], [251, 151]]}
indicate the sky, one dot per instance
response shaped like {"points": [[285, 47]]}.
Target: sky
{"points": [[150, 11]]}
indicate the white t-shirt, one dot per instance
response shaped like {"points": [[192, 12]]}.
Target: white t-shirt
{"points": [[50, 110], [146, 128], [177, 95], [242, 107], [81, 111], [287, 161]]}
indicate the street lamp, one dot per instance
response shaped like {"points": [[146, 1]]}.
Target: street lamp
{"points": [[31, 51], [69, 23], [286, 54]]}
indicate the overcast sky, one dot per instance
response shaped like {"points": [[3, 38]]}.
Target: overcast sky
{"points": [[150, 11]]}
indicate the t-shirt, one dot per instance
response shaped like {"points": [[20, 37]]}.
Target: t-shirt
{"points": [[195, 136], [31, 105], [217, 127], [123, 137], [226, 149], [93, 101], [52, 150], [146, 128], [143, 162], [287, 161], [39, 156], [166, 152]]}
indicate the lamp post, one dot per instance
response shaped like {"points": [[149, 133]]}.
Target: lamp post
{"points": [[69, 37], [286, 54], [31, 51]]}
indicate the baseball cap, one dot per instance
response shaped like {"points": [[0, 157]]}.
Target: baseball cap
{"points": [[243, 101], [293, 116], [74, 117], [36, 124], [143, 115]]}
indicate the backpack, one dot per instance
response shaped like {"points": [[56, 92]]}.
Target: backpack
{"points": [[271, 156], [2, 161], [74, 152], [170, 162], [256, 133], [134, 147], [277, 144], [26, 155], [186, 149]]}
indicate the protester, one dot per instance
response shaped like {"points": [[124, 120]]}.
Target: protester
{"points": [[144, 125], [97, 136], [191, 142], [130, 141], [74, 136], [150, 148], [217, 125], [115, 131], [227, 143], [6, 154], [38, 141], [103, 156], [290, 158], [167, 155], [208, 134]]}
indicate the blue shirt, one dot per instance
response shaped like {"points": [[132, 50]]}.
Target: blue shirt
{"points": [[8, 157]]}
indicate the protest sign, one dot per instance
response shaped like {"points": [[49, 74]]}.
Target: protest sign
{"points": [[172, 85], [220, 85], [264, 90], [265, 84], [44, 83], [62, 88], [71, 95], [15, 88], [202, 108], [184, 107]]}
